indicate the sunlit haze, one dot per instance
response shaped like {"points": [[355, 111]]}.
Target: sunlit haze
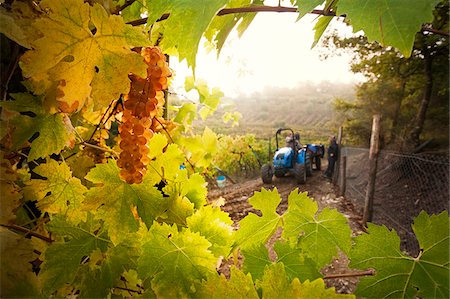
{"points": [[274, 51]]}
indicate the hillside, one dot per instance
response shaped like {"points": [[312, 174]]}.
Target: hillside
{"points": [[308, 108]]}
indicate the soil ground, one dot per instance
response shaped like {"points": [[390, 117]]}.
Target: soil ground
{"points": [[235, 197]]}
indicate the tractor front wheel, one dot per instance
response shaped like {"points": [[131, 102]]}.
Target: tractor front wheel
{"points": [[267, 173], [300, 173]]}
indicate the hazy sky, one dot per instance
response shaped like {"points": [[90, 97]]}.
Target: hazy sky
{"points": [[274, 51]]}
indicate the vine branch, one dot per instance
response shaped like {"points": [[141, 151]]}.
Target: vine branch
{"points": [[27, 232], [369, 272]]}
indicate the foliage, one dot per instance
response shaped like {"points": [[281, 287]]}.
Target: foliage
{"points": [[71, 227], [239, 155], [400, 88]]}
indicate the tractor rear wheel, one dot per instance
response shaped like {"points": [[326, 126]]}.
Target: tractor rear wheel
{"points": [[308, 165], [300, 173], [267, 173]]}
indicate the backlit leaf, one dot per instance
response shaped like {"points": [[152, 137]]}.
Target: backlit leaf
{"points": [[185, 25], [215, 226], [55, 131], [63, 258], [60, 193], [275, 284], [397, 274], [254, 229], [320, 234], [392, 23], [239, 285], [114, 200], [175, 260], [84, 52]]}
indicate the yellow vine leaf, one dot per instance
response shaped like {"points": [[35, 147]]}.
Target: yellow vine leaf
{"points": [[84, 53], [15, 24], [60, 193]]}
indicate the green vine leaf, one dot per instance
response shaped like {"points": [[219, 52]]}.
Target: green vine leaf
{"points": [[215, 225], [240, 285], [393, 23], [84, 52], [275, 284], [114, 200], [320, 234], [175, 260], [221, 26], [104, 269], [60, 193], [55, 130], [256, 259], [185, 25], [63, 258], [255, 230], [17, 279], [295, 262], [399, 275]]}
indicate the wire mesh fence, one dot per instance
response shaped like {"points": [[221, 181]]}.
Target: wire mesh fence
{"points": [[405, 185]]}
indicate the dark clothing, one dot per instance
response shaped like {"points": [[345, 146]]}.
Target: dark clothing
{"points": [[332, 153]]}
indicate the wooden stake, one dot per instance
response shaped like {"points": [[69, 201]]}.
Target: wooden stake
{"points": [[373, 161]]}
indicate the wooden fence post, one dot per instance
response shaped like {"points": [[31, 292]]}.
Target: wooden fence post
{"points": [[373, 160]]}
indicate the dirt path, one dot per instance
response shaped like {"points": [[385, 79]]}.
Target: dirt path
{"points": [[235, 197]]}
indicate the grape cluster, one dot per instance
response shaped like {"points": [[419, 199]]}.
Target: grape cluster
{"points": [[141, 107]]}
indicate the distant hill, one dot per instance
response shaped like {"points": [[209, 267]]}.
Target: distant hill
{"points": [[306, 108]]}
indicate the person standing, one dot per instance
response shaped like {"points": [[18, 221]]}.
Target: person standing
{"points": [[332, 153]]}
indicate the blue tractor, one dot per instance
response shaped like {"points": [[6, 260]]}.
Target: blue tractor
{"points": [[289, 160]]}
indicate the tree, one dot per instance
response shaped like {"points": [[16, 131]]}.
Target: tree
{"points": [[402, 88]]}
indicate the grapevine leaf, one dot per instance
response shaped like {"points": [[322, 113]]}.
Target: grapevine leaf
{"points": [[185, 25], [195, 190], [239, 285], [306, 6], [55, 130], [10, 192], [320, 234], [275, 284], [17, 279], [295, 263], [60, 193], [393, 23], [200, 149], [62, 259], [179, 208], [103, 274], [399, 275], [256, 259], [174, 260], [166, 164], [115, 200], [221, 26], [215, 226], [186, 114], [15, 24], [73, 61], [320, 28], [256, 230]]}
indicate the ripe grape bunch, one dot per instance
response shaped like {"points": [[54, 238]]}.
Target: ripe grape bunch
{"points": [[141, 106]]}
